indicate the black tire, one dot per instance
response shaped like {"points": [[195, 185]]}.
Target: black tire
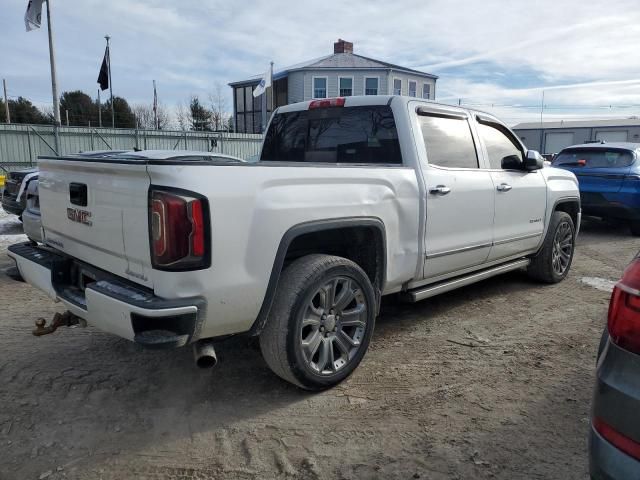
{"points": [[543, 265], [302, 286], [634, 226]]}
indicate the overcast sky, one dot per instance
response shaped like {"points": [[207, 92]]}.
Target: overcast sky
{"points": [[498, 55]]}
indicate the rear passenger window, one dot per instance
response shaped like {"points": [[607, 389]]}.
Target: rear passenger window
{"points": [[334, 135], [498, 145], [448, 142], [594, 158]]}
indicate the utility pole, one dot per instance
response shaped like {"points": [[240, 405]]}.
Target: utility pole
{"points": [[6, 102], [54, 80], [113, 115], [67, 115]]}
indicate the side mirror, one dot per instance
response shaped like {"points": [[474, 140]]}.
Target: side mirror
{"points": [[533, 161], [511, 162]]}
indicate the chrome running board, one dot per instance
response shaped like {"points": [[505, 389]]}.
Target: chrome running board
{"points": [[447, 285]]}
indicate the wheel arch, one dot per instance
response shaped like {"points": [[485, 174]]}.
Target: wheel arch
{"points": [[570, 205], [372, 259]]}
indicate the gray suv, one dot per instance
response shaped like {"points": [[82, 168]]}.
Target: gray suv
{"points": [[614, 441]]}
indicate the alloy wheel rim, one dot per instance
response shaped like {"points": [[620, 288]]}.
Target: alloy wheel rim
{"points": [[562, 248], [333, 325]]}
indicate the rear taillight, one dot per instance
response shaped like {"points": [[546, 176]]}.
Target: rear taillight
{"points": [[326, 103], [179, 230], [624, 310]]}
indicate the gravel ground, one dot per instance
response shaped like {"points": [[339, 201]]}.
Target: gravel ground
{"points": [[81, 404]]}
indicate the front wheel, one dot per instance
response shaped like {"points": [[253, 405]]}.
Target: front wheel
{"points": [[321, 321], [553, 261], [635, 227]]}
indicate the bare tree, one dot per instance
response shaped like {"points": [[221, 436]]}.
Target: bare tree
{"points": [[47, 111], [145, 117], [219, 104], [183, 115]]}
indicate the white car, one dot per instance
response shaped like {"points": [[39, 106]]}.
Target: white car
{"points": [[352, 199]]}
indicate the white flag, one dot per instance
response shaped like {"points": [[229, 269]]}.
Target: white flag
{"points": [[33, 16], [264, 83]]}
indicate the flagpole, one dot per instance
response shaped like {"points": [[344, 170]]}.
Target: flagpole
{"points": [[272, 89], [155, 106], [54, 77], [264, 99], [113, 115], [264, 111], [99, 110]]}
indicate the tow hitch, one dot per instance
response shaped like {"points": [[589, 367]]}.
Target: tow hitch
{"points": [[66, 319]]}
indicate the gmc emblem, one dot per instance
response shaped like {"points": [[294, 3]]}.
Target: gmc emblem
{"points": [[79, 216]]}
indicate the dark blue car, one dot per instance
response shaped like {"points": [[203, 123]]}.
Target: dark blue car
{"points": [[609, 178]]}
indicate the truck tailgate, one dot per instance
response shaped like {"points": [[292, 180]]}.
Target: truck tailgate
{"points": [[87, 206]]}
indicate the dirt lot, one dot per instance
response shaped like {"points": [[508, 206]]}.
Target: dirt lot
{"points": [[81, 404]]}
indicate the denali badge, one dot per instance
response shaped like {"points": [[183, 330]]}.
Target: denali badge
{"points": [[80, 216]]}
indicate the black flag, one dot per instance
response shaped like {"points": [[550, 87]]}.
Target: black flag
{"points": [[103, 77]]}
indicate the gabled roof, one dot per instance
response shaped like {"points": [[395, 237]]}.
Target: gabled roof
{"points": [[337, 61], [619, 122]]}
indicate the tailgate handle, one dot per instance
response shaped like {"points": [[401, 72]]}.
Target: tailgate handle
{"points": [[78, 194]]}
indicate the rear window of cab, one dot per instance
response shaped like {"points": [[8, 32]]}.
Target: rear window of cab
{"points": [[353, 135], [594, 158]]}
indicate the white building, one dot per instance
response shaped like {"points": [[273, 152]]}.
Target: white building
{"points": [[551, 137], [340, 74]]}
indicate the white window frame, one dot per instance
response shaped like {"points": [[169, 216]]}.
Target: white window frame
{"points": [[353, 87], [313, 86], [426, 84], [409, 88], [364, 89], [393, 85]]}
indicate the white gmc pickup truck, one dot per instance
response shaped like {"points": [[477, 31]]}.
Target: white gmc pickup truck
{"points": [[352, 199]]}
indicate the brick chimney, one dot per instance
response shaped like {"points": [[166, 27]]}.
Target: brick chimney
{"points": [[342, 46]]}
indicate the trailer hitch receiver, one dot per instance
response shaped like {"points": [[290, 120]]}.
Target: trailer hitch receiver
{"points": [[66, 319]]}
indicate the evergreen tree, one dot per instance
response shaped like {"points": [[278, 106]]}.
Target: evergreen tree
{"points": [[81, 107], [200, 116], [124, 117], [23, 111]]}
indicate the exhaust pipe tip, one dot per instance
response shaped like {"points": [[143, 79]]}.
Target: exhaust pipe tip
{"points": [[205, 355]]}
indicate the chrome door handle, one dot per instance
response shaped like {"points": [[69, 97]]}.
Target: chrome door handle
{"points": [[504, 187], [439, 190]]}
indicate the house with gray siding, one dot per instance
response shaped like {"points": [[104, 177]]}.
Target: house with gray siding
{"points": [[551, 137], [341, 74]]}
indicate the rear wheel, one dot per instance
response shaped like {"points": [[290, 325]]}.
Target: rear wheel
{"points": [[553, 261], [634, 226], [321, 321]]}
